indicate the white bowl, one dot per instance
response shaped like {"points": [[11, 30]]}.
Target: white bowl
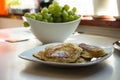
{"points": [[52, 32]]}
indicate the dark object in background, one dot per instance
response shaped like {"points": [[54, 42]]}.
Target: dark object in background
{"points": [[116, 45], [45, 3], [21, 12], [18, 11]]}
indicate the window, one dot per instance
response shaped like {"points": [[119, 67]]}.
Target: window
{"points": [[105, 13], [94, 7]]}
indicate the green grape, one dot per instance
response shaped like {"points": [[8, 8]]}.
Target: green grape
{"points": [[39, 17], [27, 15], [44, 10], [71, 17], [74, 9], [46, 15], [70, 12], [51, 9], [26, 24], [44, 20], [54, 13], [33, 17], [58, 19], [58, 8], [33, 14], [65, 19], [57, 14], [66, 7], [55, 3], [64, 14], [50, 19], [76, 16]]}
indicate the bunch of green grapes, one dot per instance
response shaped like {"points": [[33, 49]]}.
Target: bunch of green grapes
{"points": [[54, 13]]}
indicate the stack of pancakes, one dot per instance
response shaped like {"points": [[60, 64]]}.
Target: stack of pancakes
{"points": [[70, 53]]}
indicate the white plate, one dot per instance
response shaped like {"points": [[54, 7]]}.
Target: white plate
{"points": [[28, 55]]}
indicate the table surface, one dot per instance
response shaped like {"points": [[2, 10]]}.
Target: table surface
{"points": [[10, 23], [14, 68]]}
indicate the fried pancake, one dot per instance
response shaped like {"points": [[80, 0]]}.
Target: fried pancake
{"points": [[69, 53], [64, 52], [93, 50], [82, 60], [86, 55]]}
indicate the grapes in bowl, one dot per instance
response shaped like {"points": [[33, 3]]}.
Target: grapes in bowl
{"points": [[53, 24]]}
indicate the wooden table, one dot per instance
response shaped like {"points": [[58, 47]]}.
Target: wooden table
{"points": [[14, 68]]}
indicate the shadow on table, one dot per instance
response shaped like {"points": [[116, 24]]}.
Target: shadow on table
{"points": [[100, 71]]}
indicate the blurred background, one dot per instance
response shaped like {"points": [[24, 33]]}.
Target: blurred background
{"points": [[97, 15], [13, 8]]}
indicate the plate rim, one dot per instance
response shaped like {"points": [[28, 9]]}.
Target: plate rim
{"points": [[22, 55]]}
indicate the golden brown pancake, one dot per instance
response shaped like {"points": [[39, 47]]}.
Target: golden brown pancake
{"points": [[93, 50], [64, 52], [70, 53]]}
